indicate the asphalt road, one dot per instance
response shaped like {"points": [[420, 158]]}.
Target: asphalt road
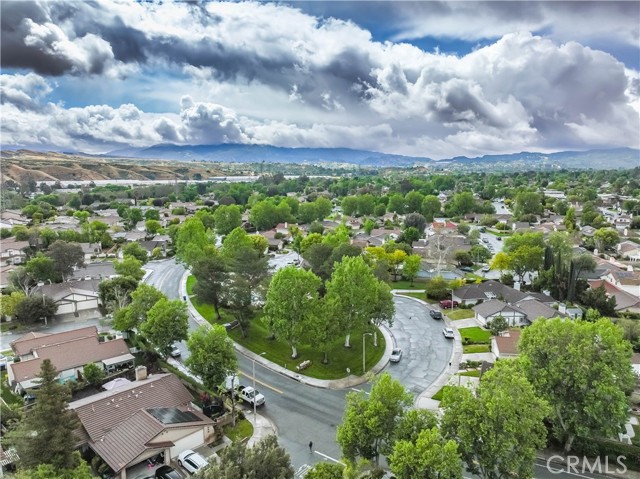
{"points": [[304, 413]]}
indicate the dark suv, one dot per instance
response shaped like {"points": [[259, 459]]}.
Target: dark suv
{"points": [[435, 314]]}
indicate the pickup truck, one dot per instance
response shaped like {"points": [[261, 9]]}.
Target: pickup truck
{"points": [[248, 394]]}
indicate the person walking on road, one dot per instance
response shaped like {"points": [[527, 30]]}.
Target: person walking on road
{"points": [[310, 446]]}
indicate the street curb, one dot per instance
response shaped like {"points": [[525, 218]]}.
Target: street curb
{"points": [[349, 381]]}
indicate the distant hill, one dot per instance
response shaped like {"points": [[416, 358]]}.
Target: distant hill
{"points": [[230, 153], [270, 154]]}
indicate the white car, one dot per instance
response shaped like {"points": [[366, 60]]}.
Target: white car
{"points": [[396, 355], [175, 351], [448, 333], [192, 461]]}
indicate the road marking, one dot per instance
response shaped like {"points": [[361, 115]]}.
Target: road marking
{"points": [[302, 470], [330, 458], [249, 376]]}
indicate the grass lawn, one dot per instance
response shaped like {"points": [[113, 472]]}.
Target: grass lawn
{"points": [[438, 396], [474, 373], [415, 295], [460, 314], [475, 348], [242, 430], [7, 395], [475, 335], [472, 277], [404, 284], [191, 282], [340, 358]]}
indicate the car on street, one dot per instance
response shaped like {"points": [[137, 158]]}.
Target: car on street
{"points": [[485, 240], [435, 314], [486, 268], [396, 355], [167, 472], [191, 461], [467, 269], [448, 333], [448, 304], [499, 238]]}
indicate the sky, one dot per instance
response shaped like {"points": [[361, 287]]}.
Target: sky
{"points": [[429, 79]]}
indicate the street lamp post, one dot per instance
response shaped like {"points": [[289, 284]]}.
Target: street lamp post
{"points": [[254, 388], [364, 345]]}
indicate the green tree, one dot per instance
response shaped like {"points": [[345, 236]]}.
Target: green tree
{"points": [[211, 274], [366, 204], [498, 325], [413, 202], [325, 470], [94, 374], [479, 253], [526, 259], [66, 257], [292, 299], [167, 322], [369, 422], [351, 293], [192, 242], [130, 267], [396, 204], [152, 214], [411, 267], [235, 244], [307, 213], [350, 205], [570, 219], [429, 457], [260, 244], [142, 299], [499, 428], [323, 207], [437, 288], [528, 203], [46, 433], [431, 207], [501, 261], [462, 203], [41, 268], [9, 303], [606, 238], [369, 226], [47, 471], [598, 299], [311, 239], [35, 308], [266, 459], [212, 355], [135, 250], [264, 215], [152, 227], [584, 371], [227, 218], [383, 309]]}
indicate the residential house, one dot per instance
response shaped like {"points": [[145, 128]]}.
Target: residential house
{"points": [[558, 195], [489, 310], [275, 244], [68, 351], [385, 235], [624, 301], [505, 346], [628, 281], [90, 250], [622, 222], [73, 297], [99, 271], [136, 421], [471, 294], [129, 236], [588, 231], [283, 229], [13, 251], [629, 250], [11, 218]]}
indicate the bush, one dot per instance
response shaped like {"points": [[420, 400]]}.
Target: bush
{"points": [[608, 448]]}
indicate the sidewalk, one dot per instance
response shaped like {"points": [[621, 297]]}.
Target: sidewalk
{"points": [[262, 428]]}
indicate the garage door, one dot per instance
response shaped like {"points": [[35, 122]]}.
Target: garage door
{"points": [[65, 308], [192, 441], [89, 304]]}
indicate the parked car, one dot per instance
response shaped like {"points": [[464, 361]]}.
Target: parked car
{"points": [[167, 472], [483, 229], [486, 268], [435, 314], [448, 333], [396, 355], [191, 461], [468, 269], [448, 304], [175, 351], [499, 238], [485, 240]]}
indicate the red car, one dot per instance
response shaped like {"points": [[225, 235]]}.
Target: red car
{"points": [[448, 304]]}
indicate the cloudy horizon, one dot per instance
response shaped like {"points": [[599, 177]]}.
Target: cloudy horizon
{"points": [[430, 79]]}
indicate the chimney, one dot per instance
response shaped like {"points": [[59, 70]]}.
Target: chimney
{"points": [[516, 285], [141, 373], [562, 308], [286, 225]]}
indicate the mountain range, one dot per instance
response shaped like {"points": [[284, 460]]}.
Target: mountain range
{"points": [[239, 153]]}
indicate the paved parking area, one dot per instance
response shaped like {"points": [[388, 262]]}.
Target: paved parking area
{"points": [[281, 260]]}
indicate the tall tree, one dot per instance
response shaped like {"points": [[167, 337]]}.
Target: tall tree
{"points": [[429, 457], [66, 257], [369, 423], [227, 218], [431, 207], [142, 300], [167, 322], [499, 426], [211, 275], [383, 308], [351, 294], [584, 371], [115, 293], [46, 434], [35, 308], [212, 356], [41, 268], [129, 267], [192, 241], [292, 299], [9, 303], [135, 250]]}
